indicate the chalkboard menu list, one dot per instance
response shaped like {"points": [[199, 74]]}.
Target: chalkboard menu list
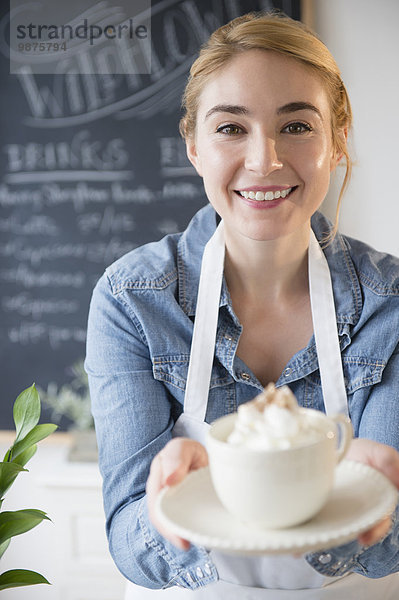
{"points": [[91, 166]]}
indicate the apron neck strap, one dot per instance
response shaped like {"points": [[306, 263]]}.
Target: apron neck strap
{"points": [[325, 330], [205, 326]]}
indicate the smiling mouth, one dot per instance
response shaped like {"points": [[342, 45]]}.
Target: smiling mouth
{"points": [[265, 196]]}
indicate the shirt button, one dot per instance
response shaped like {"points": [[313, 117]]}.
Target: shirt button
{"points": [[208, 569], [245, 376], [287, 371], [228, 337], [189, 578], [199, 572], [324, 559]]}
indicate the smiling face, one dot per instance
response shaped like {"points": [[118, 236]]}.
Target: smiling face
{"points": [[263, 144]]}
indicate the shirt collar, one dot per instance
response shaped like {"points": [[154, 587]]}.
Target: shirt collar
{"points": [[346, 287], [190, 249], [345, 282]]}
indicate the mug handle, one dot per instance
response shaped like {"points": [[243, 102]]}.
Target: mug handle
{"points": [[345, 426]]}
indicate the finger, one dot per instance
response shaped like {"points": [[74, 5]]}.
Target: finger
{"points": [[153, 487], [180, 457], [379, 456], [177, 541], [388, 464], [376, 533]]}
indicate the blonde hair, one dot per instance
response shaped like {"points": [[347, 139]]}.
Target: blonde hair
{"points": [[277, 32]]}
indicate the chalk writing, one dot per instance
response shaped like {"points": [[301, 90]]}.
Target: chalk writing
{"points": [[182, 190], [25, 305], [35, 225], [140, 195], [102, 253], [80, 153], [21, 197], [27, 333], [106, 223], [173, 158], [25, 277]]}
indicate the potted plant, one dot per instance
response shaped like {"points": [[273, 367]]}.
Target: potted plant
{"points": [[72, 400], [26, 413]]}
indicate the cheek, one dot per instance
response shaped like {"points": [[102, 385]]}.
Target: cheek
{"points": [[318, 164], [217, 163], [219, 170]]}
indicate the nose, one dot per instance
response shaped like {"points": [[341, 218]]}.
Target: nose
{"points": [[261, 155]]}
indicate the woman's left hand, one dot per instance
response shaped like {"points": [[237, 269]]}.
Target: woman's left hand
{"points": [[385, 459]]}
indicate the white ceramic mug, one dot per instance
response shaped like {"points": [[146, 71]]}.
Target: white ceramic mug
{"points": [[277, 488]]}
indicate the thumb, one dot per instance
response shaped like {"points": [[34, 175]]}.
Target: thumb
{"points": [[182, 456]]}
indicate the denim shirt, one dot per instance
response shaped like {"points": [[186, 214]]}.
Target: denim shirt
{"points": [[138, 348]]}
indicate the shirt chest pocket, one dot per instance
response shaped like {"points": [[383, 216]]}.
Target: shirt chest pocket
{"points": [[172, 371], [360, 374]]}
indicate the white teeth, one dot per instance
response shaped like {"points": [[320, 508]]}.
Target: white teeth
{"points": [[261, 196]]}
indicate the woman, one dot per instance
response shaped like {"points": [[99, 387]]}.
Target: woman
{"points": [[266, 123]]}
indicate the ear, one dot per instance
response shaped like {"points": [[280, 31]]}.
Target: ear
{"points": [[193, 157], [336, 156]]}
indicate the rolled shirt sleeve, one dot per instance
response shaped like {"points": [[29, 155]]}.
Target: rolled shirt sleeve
{"points": [[376, 561], [133, 421]]}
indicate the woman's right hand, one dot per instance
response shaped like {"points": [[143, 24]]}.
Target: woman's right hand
{"points": [[386, 460], [169, 467]]}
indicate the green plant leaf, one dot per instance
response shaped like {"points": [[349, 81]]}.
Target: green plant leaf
{"points": [[8, 473], [7, 456], [20, 577], [4, 546], [25, 456], [26, 412], [19, 521], [35, 435]]}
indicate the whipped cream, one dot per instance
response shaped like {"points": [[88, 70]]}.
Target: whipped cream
{"points": [[272, 421]]}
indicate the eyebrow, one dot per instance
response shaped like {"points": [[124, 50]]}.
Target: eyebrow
{"points": [[237, 109], [295, 106], [234, 109]]}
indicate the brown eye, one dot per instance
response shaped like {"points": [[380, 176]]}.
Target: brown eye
{"points": [[229, 129], [297, 128]]}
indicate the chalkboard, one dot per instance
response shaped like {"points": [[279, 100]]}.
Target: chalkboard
{"points": [[90, 167]]}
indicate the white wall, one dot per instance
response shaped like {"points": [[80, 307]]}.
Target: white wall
{"points": [[362, 36]]}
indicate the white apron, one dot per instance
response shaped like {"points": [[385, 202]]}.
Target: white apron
{"points": [[280, 577]]}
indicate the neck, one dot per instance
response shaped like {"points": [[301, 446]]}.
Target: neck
{"points": [[274, 269]]}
